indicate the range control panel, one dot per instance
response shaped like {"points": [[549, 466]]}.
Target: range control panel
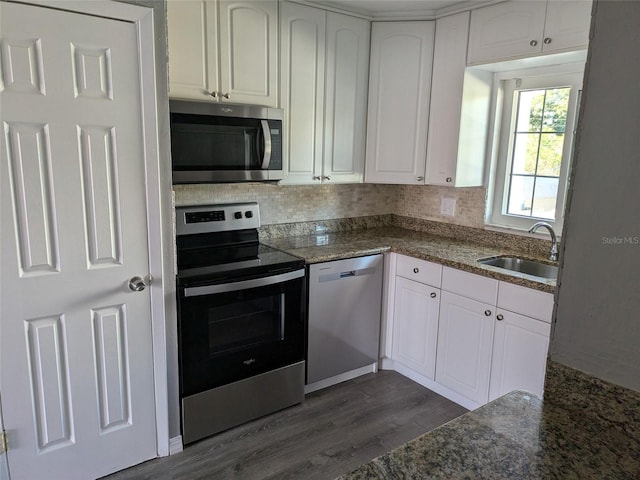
{"points": [[217, 218]]}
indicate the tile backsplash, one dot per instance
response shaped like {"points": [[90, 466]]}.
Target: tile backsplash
{"points": [[301, 203]]}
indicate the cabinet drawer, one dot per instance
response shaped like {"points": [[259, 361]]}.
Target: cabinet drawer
{"points": [[419, 270], [525, 301], [469, 285]]}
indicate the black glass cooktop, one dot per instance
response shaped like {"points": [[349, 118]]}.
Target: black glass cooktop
{"points": [[200, 261]]}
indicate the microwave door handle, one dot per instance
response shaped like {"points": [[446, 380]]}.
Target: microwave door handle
{"points": [[266, 134]]}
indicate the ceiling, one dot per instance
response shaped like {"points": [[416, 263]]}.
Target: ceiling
{"points": [[402, 8]]}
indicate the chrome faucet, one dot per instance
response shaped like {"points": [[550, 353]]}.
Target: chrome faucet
{"points": [[553, 256]]}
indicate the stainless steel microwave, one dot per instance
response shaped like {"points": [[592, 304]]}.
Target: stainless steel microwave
{"points": [[218, 143]]}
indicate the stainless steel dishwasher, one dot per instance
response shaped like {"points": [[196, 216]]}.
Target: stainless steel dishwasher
{"points": [[345, 299]]}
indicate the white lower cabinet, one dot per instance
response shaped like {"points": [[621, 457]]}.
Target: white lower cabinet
{"points": [[520, 346], [469, 337], [465, 336], [415, 327]]}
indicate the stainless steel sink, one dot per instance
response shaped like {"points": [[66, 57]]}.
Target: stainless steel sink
{"points": [[522, 265]]}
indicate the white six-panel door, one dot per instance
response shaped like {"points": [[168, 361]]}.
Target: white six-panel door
{"points": [[76, 345]]}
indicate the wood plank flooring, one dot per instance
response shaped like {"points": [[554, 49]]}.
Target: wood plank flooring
{"points": [[332, 432]]}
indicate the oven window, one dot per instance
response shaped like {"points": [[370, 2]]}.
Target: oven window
{"points": [[246, 322]]}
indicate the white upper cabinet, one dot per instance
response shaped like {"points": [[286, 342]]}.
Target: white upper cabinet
{"points": [[302, 54], [567, 25], [347, 78], [324, 74], [524, 28], [459, 113], [399, 91], [449, 62], [249, 52], [192, 28], [223, 51]]}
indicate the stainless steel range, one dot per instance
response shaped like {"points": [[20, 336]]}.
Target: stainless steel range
{"points": [[241, 320]]}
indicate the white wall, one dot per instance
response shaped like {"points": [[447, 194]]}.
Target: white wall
{"points": [[597, 327]]}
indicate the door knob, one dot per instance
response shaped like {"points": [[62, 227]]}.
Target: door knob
{"points": [[137, 284]]}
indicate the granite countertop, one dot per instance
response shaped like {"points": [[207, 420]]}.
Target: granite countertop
{"points": [[583, 429], [461, 254]]}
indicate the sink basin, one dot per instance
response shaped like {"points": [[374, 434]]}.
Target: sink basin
{"points": [[517, 264]]}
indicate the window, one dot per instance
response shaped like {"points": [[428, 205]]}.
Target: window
{"points": [[529, 178]]}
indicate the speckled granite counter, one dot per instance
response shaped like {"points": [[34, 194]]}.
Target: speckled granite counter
{"points": [[584, 429], [461, 254]]}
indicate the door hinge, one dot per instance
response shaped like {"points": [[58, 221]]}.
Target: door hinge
{"points": [[4, 444]]}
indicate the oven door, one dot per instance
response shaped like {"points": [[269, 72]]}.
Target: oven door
{"points": [[236, 330]]}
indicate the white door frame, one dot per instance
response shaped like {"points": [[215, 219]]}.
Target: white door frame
{"points": [[142, 17]]}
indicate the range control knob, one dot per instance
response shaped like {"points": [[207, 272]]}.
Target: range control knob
{"points": [[248, 214], [237, 215]]}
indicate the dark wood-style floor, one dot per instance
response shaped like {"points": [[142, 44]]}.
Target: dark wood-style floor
{"points": [[331, 433]]}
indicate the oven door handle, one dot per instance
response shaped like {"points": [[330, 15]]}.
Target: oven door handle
{"points": [[266, 135], [243, 284]]}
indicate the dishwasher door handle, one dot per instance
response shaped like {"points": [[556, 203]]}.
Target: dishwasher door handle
{"points": [[330, 277]]}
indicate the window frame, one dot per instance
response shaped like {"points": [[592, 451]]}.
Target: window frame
{"points": [[505, 104]]}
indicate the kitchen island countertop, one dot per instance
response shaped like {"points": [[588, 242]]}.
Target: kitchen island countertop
{"points": [[461, 254], [583, 429]]}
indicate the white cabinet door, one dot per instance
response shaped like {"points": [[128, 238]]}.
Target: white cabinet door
{"points": [[509, 29], [302, 44], [325, 119], [415, 326], [249, 52], [465, 336], [449, 63], [519, 354], [399, 90], [525, 28], [242, 68], [567, 25], [193, 62], [347, 78]]}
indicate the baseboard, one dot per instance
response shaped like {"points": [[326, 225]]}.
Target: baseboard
{"points": [[175, 445], [388, 364], [343, 377]]}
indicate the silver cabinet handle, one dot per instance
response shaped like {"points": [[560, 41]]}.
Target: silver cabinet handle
{"points": [[487, 313], [547, 40], [416, 270], [326, 178], [266, 133], [224, 95], [317, 177], [137, 284], [433, 295], [420, 179], [500, 317], [449, 180], [213, 94], [533, 43]]}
